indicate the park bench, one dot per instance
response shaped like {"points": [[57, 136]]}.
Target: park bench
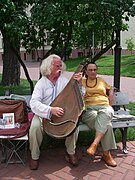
{"points": [[122, 119]]}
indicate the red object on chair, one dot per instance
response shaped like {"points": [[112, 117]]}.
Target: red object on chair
{"points": [[30, 116]]}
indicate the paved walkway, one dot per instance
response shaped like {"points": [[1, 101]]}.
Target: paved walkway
{"points": [[53, 165]]}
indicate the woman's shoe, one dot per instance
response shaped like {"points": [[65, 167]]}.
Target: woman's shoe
{"points": [[92, 149], [109, 159]]}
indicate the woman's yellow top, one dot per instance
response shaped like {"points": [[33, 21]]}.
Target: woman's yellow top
{"points": [[96, 92]]}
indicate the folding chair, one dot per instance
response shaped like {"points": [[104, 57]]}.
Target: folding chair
{"points": [[15, 150]]}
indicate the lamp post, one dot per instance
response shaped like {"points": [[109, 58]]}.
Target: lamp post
{"points": [[117, 61], [117, 64]]}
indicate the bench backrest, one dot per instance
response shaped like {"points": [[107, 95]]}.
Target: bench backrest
{"points": [[120, 98]]}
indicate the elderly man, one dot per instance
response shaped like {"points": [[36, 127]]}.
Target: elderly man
{"points": [[45, 91]]}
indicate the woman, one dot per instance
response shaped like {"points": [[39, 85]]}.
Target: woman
{"points": [[99, 113]]}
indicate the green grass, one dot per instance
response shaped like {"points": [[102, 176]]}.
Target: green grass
{"points": [[72, 64], [131, 107], [22, 89], [106, 65]]}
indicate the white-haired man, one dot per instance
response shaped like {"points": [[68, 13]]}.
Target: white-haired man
{"points": [[45, 91]]}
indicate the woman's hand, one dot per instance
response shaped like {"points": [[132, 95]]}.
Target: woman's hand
{"points": [[57, 111], [111, 92]]}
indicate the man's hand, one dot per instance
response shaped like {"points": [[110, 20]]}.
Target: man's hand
{"points": [[78, 77], [57, 111]]}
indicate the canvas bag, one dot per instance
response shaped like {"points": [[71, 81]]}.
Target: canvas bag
{"points": [[19, 108]]}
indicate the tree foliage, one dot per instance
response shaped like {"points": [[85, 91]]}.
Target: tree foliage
{"points": [[68, 23], [13, 25], [73, 22], [130, 44]]}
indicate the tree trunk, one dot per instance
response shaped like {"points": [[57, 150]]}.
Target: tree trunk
{"points": [[24, 67], [104, 50], [11, 65], [69, 34]]}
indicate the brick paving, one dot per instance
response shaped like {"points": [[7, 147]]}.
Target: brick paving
{"points": [[53, 165]]}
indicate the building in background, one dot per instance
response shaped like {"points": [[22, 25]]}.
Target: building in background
{"points": [[128, 34]]}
